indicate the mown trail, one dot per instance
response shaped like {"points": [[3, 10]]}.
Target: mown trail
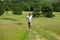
{"points": [[56, 36], [42, 29], [33, 35]]}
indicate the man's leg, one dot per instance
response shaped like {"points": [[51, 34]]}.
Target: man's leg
{"points": [[29, 24]]}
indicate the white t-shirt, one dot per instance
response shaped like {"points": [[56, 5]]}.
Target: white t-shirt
{"points": [[29, 19]]}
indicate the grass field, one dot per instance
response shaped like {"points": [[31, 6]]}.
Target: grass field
{"points": [[14, 27]]}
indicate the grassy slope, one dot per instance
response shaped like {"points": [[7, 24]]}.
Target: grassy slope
{"points": [[11, 27], [49, 24], [46, 26], [17, 25]]}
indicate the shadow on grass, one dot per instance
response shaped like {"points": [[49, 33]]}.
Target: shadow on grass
{"points": [[9, 19]]}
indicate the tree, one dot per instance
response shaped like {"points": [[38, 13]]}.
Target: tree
{"points": [[56, 6], [47, 10], [17, 10], [36, 9], [1, 8]]}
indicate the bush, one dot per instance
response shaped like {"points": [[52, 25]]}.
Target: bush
{"points": [[36, 13], [17, 10], [47, 10], [36, 9], [56, 6], [1, 9]]}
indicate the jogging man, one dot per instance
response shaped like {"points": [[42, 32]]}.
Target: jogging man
{"points": [[29, 17]]}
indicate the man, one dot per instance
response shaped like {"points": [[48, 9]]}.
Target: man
{"points": [[29, 17]]}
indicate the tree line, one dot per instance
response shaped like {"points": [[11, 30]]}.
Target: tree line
{"points": [[46, 7]]}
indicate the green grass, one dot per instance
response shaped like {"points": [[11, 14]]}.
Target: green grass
{"points": [[49, 24], [46, 26], [14, 27], [10, 31]]}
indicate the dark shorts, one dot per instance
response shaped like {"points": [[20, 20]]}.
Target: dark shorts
{"points": [[29, 24]]}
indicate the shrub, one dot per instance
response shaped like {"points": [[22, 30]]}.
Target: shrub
{"points": [[17, 10], [36, 9], [1, 9], [47, 10]]}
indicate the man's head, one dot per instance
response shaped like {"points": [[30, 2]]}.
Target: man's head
{"points": [[29, 14]]}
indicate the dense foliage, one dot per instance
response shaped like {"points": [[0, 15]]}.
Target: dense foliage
{"points": [[36, 9], [16, 9], [47, 10], [1, 9], [46, 6]]}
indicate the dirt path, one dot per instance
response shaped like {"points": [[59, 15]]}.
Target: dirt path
{"points": [[33, 35], [38, 37], [54, 35]]}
